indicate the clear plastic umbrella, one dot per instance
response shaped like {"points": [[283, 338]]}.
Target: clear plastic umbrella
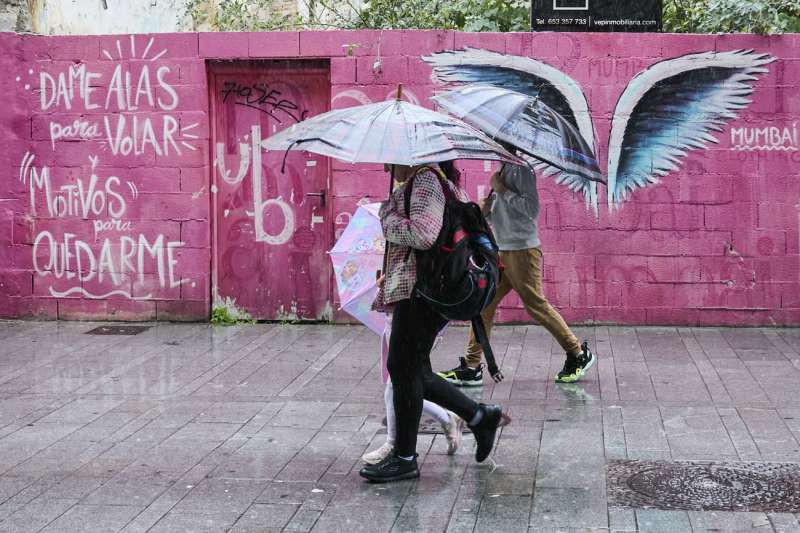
{"points": [[391, 132], [526, 123], [356, 256]]}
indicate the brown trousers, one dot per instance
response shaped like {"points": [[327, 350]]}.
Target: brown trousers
{"points": [[523, 273]]}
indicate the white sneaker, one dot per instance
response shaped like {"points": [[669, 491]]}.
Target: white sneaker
{"points": [[452, 432], [376, 456]]}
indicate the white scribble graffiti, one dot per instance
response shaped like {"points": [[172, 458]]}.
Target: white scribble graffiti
{"points": [[362, 98]]}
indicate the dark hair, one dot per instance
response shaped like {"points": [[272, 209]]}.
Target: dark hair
{"points": [[508, 146], [450, 171]]}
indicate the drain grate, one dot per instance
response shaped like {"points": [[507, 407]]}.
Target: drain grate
{"points": [[118, 330], [704, 486]]}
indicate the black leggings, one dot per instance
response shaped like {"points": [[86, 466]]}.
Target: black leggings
{"points": [[414, 329]]}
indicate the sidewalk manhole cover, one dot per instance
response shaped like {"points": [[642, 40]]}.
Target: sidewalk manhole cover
{"points": [[705, 486], [118, 330]]}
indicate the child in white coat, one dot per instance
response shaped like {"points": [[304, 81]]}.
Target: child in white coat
{"points": [[451, 424]]}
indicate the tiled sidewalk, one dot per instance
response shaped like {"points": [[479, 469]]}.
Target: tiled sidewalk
{"points": [[260, 428]]}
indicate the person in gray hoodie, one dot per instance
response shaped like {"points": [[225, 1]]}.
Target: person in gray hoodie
{"points": [[512, 209]]}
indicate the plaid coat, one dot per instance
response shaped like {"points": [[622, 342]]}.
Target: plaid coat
{"points": [[415, 230]]}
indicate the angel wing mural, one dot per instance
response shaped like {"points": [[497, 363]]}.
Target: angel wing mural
{"points": [[530, 77], [670, 108]]}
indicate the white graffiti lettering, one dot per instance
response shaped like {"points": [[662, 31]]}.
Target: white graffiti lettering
{"points": [[111, 225], [288, 223], [70, 258], [79, 129], [135, 103], [135, 138], [60, 90], [114, 259], [81, 199], [244, 163], [259, 204], [770, 138], [132, 88]]}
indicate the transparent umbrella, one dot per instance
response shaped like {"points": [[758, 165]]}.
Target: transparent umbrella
{"points": [[526, 123], [356, 256], [392, 132]]}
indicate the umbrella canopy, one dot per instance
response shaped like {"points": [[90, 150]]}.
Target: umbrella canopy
{"points": [[525, 122], [356, 256], [392, 132]]}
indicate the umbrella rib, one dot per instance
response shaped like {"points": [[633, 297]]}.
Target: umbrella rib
{"points": [[365, 138]]}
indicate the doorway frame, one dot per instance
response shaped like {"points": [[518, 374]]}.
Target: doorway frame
{"points": [[214, 68]]}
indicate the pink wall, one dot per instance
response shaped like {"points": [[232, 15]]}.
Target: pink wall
{"points": [[105, 209]]}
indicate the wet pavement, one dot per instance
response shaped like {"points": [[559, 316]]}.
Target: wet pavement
{"points": [[261, 427]]}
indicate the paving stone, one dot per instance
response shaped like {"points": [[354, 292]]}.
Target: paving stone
{"points": [[35, 515], [195, 521], [571, 507], [12, 485], [722, 521], [302, 521], [225, 495], [620, 520], [355, 520], [132, 486], [654, 521], [264, 516], [261, 428], [92, 518], [424, 512], [784, 522]]}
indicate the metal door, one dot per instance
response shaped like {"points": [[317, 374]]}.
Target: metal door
{"points": [[271, 229]]}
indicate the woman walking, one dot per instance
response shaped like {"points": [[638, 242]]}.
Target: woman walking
{"points": [[415, 325]]}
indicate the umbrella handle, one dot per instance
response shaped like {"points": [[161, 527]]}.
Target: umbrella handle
{"points": [[286, 153], [391, 190]]}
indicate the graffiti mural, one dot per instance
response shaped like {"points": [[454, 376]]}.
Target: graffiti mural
{"points": [[135, 188], [89, 239], [670, 108]]}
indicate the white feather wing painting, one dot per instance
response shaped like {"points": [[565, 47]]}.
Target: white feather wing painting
{"points": [[673, 107], [667, 110]]}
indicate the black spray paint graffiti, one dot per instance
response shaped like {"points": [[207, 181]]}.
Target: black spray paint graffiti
{"points": [[263, 98]]}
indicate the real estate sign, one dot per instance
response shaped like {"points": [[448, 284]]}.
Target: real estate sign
{"points": [[596, 15]]}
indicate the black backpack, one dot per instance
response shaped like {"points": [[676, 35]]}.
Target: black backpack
{"points": [[458, 276]]}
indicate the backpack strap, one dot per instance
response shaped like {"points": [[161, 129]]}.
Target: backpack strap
{"points": [[410, 185], [480, 335]]}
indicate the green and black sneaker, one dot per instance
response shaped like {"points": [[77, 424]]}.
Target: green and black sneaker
{"points": [[463, 375], [576, 367]]}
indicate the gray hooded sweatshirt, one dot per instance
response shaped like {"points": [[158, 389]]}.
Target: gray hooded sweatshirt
{"points": [[514, 211]]}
